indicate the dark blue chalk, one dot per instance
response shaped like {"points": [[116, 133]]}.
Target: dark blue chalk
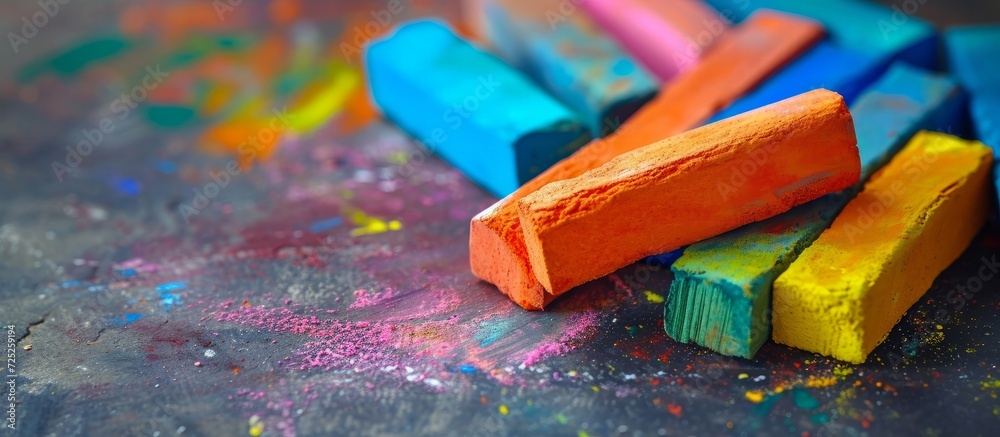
{"points": [[857, 25], [827, 66], [863, 39]]}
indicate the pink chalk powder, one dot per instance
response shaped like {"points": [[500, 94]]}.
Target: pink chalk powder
{"points": [[576, 328]]}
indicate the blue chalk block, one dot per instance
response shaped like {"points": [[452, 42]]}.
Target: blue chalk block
{"points": [[974, 57], [901, 103], [985, 111], [824, 66], [986, 117], [478, 113], [863, 39], [571, 59], [858, 25]]}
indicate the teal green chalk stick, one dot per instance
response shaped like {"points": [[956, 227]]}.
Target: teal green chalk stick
{"points": [[721, 294]]}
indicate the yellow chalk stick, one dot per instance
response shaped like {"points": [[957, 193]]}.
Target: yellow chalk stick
{"points": [[844, 293]]}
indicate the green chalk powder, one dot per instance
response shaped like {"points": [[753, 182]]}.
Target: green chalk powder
{"points": [[76, 59], [197, 47], [170, 116], [803, 399]]}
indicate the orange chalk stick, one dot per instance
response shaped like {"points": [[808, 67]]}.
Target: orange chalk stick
{"points": [[739, 61], [689, 187]]}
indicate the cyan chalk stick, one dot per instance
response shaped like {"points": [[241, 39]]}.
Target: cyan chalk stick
{"points": [[570, 58], [859, 25], [721, 294], [478, 113]]}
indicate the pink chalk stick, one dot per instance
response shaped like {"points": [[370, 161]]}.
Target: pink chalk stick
{"points": [[668, 37]]}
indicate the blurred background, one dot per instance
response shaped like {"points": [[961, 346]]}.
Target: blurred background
{"points": [[266, 51]]}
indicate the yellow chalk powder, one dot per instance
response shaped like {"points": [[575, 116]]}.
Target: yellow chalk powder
{"points": [[755, 396], [256, 426], [653, 297], [323, 99], [844, 293]]}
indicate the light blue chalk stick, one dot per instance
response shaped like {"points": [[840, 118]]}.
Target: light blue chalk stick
{"points": [[859, 25], [572, 60], [721, 294], [469, 107]]}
